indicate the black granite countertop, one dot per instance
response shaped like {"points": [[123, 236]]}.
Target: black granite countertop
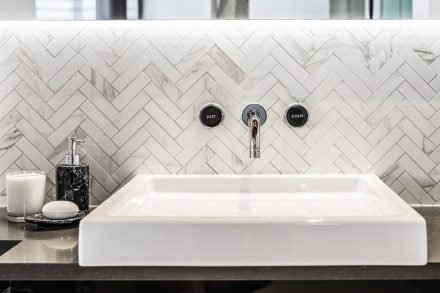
{"points": [[53, 255]]}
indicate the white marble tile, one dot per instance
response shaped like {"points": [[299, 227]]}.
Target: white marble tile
{"points": [[416, 154], [131, 55], [385, 72], [98, 64], [35, 138], [34, 154], [34, 82], [384, 127], [227, 83], [226, 45], [416, 117], [161, 62], [65, 74], [101, 102], [9, 158], [134, 90], [131, 128], [130, 165], [131, 91], [98, 81], [130, 76], [66, 109], [7, 68], [131, 145], [34, 100], [162, 155], [163, 119], [99, 46], [290, 83], [63, 38], [226, 64], [414, 188], [195, 73], [413, 60], [196, 53], [416, 100], [99, 119], [416, 81], [291, 47], [353, 136], [258, 55], [107, 145], [384, 145], [8, 104]]}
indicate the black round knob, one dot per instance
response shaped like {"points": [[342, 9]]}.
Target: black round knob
{"points": [[211, 115], [296, 115]]}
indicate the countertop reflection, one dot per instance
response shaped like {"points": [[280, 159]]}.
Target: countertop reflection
{"points": [[43, 246]]}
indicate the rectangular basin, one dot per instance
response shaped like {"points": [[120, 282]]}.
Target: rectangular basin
{"points": [[253, 220]]}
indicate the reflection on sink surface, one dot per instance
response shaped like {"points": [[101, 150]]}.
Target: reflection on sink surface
{"points": [[253, 220]]}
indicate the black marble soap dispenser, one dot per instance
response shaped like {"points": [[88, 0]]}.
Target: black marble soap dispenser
{"points": [[72, 178]]}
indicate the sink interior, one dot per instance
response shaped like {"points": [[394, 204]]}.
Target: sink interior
{"points": [[253, 197]]}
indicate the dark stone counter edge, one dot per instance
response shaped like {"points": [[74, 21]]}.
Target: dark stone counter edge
{"points": [[73, 272]]}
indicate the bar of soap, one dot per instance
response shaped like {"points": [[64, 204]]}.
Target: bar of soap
{"points": [[60, 209]]}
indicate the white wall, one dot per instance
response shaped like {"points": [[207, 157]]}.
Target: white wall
{"points": [[22, 9], [421, 9], [434, 9], [172, 9], [289, 9]]}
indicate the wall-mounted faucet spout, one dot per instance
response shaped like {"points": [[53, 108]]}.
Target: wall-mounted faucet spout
{"points": [[254, 130], [254, 116]]}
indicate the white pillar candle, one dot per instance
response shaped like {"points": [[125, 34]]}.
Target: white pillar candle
{"points": [[24, 194]]}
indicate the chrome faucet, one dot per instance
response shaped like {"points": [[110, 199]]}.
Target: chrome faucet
{"points": [[254, 131], [254, 116]]}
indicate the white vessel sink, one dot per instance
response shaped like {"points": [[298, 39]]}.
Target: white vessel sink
{"points": [[255, 220]]}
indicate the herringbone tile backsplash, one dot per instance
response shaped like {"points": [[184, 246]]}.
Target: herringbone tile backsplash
{"points": [[133, 91]]}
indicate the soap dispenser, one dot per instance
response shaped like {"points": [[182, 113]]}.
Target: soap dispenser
{"points": [[72, 178]]}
